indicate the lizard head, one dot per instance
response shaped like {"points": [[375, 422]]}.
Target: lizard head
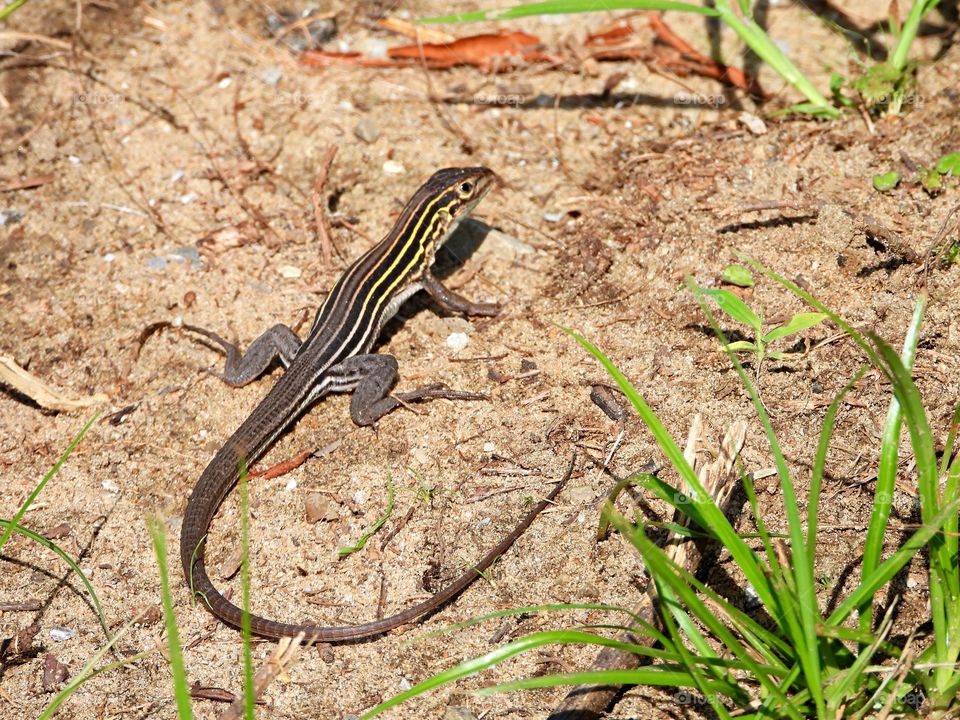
{"points": [[448, 197]]}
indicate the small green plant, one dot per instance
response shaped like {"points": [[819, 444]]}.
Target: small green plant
{"points": [[886, 181], [929, 178], [759, 346], [737, 275], [359, 545]]}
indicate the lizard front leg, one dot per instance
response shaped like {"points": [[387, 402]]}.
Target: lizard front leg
{"points": [[279, 342], [454, 302], [371, 376]]}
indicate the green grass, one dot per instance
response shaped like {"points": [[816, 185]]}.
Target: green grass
{"points": [[800, 662], [362, 541], [8, 10], [181, 689], [13, 525]]}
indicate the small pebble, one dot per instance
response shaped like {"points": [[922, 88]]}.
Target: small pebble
{"points": [[271, 76], [456, 712], [188, 253], [10, 217], [156, 263], [291, 484], [61, 634], [367, 130], [188, 198], [751, 597], [109, 257], [392, 167], [457, 341], [373, 48], [289, 271], [489, 447], [74, 160], [359, 497], [225, 83], [177, 175], [553, 217], [754, 124], [317, 507], [911, 583]]}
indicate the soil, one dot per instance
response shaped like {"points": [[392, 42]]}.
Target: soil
{"points": [[181, 145]]}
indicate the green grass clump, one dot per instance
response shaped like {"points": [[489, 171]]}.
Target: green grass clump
{"points": [[787, 658]]}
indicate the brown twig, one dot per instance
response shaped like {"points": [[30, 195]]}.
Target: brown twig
{"points": [[319, 214], [588, 702], [279, 662], [934, 250], [26, 183]]}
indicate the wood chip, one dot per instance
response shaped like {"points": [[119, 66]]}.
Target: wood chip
{"points": [[42, 394], [55, 673]]}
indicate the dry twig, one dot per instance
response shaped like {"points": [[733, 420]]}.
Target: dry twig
{"points": [[282, 660], [319, 215], [588, 702]]}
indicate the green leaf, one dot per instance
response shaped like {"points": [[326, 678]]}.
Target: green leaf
{"points": [[735, 308], [930, 179], [949, 164], [741, 346], [798, 323], [837, 81], [737, 275], [887, 181]]}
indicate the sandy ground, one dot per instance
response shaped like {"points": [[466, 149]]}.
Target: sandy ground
{"points": [[182, 146]]}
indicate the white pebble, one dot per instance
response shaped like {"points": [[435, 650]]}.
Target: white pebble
{"points": [[489, 447], [74, 160], [392, 167], [225, 83], [188, 198], [754, 124], [289, 271], [553, 217], [109, 257], [291, 484], [457, 341], [61, 634]]}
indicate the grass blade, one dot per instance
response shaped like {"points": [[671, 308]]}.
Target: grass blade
{"points": [[359, 545], [88, 672], [887, 468], [70, 563], [564, 7], [180, 688], [53, 471]]}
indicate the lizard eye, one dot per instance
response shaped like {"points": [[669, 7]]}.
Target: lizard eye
{"points": [[466, 188]]}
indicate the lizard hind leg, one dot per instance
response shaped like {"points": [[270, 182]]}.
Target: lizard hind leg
{"points": [[277, 343], [371, 376]]}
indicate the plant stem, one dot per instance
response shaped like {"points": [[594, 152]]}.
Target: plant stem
{"points": [[909, 31]]}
